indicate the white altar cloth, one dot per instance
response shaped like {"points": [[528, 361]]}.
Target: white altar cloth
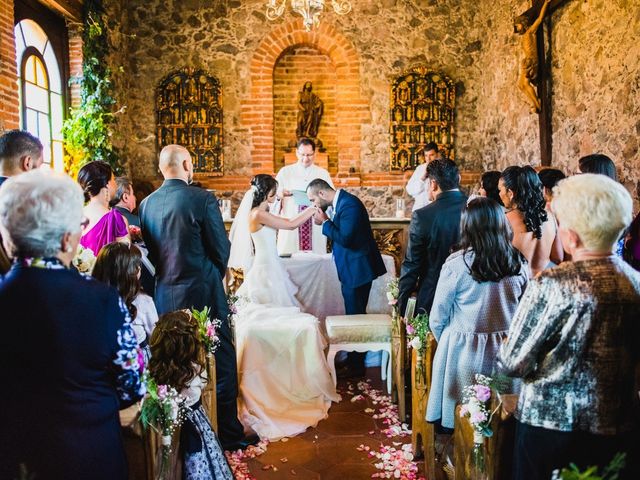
{"points": [[316, 277]]}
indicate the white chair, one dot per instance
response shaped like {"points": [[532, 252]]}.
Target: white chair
{"points": [[360, 333]]}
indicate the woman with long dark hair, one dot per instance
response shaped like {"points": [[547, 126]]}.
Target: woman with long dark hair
{"points": [[120, 266], [477, 294], [535, 231]]}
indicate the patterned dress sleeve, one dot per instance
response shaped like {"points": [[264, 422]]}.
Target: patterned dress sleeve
{"points": [[129, 362], [537, 319]]}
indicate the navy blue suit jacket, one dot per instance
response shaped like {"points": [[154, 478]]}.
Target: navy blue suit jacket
{"points": [[59, 407], [356, 254]]}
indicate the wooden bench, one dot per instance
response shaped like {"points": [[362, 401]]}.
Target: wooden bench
{"points": [[423, 432], [360, 333], [399, 364], [498, 448]]}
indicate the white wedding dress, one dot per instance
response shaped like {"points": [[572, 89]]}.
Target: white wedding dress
{"points": [[285, 385]]}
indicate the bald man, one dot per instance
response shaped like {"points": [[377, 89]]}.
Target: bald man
{"points": [[183, 230]]}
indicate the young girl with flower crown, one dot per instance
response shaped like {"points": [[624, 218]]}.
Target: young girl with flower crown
{"points": [[177, 360]]}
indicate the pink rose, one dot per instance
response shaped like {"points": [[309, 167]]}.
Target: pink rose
{"points": [[478, 417], [483, 393], [162, 391], [211, 331], [410, 329]]}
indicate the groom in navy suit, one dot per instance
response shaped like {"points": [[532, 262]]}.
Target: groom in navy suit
{"points": [[355, 252]]}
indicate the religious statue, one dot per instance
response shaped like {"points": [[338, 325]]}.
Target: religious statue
{"points": [[310, 110], [528, 72]]}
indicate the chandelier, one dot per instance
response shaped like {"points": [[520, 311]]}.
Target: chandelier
{"points": [[310, 10]]}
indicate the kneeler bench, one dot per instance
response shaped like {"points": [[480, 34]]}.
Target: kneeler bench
{"points": [[360, 333]]}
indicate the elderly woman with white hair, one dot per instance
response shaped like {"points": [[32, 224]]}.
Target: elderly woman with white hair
{"points": [[68, 355], [575, 341]]}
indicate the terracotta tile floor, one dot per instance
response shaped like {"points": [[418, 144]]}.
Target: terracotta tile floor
{"points": [[329, 451]]}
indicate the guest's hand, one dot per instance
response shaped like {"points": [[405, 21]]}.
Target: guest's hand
{"points": [[320, 217], [287, 193]]}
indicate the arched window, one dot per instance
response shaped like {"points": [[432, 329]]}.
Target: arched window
{"points": [[41, 98]]}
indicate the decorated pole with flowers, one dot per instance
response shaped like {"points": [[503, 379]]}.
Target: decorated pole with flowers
{"points": [[484, 430], [208, 334], [163, 410]]}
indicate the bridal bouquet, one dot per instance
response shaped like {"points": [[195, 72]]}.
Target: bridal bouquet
{"points": [[207, 329], [163, 409], [611, 471], [84, 260], [135, 233]]}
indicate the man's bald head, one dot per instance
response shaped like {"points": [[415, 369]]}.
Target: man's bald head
{"points": [[175, 162]]}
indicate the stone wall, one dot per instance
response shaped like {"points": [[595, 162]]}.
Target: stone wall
{"points": [[385, 36], [595, 73], [595, 81]]}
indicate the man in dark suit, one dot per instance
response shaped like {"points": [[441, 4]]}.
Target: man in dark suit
{"points": [[19, 152], [183, 230], [434, 230], [125, 200], [355, 252]]}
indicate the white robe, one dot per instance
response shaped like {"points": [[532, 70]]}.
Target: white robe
{"points": [[296, 177]]}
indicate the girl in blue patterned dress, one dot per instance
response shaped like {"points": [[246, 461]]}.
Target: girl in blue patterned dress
{"points": [[176, 360]]}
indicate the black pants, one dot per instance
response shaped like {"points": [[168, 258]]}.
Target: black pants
{"points": [[230, 430], [539, 451]]}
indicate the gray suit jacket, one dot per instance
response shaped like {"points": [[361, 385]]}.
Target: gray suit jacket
{"points": [[184, 232]]}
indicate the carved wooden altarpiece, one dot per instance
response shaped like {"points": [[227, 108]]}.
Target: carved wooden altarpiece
{"points": [[422, 111], [189, 113]]}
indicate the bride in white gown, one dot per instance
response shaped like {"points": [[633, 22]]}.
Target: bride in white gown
{"points": [[284, 380]]}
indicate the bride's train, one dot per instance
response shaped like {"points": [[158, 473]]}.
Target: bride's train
{"points": [[285, 385]]}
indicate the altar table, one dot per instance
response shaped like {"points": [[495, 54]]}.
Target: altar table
{"points": [[319, 291]]}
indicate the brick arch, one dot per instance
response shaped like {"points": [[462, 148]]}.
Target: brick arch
{"points": [[257, 109]]}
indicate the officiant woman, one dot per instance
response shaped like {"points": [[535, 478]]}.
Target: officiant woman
{"points": [[68, 355]]}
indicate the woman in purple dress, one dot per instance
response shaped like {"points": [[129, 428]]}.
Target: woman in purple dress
{"points": [[105, 225]]}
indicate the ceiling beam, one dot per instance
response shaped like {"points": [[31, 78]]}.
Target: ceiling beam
{"points": [[70, 9]]}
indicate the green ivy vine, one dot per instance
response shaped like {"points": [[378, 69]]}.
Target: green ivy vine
{"points": [[88, 130]]}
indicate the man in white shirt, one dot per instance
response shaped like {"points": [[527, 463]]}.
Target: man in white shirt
{"points": [[418, 185], [295, 178]]}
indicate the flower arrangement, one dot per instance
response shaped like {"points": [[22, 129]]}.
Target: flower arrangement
{"points": [[207, 329], [135, 233], [476, 407], [84, 260], [417, 329], [393, 292], [163, 409]]}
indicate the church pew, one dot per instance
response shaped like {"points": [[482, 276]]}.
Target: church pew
{"points": [[209, 393], [422, 432], [498, 448], [143, 449], [398, 364]]}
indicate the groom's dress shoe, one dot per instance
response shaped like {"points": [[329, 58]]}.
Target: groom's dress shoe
{"points": [[244, 443]]}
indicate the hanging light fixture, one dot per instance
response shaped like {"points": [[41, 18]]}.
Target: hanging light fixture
{"points": [[310, 10]]}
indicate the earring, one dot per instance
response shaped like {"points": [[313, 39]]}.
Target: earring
{"points": [[68, 249]]}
